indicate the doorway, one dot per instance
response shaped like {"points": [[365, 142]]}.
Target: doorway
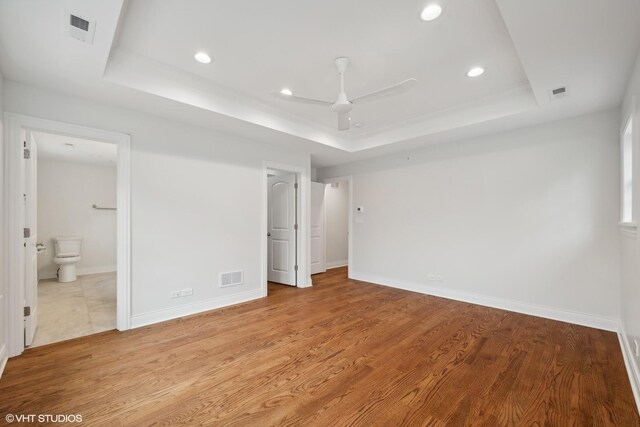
{"points": [[337, 218], [331, 216], [24, 245], [282, 227], [71, 253], [286, 172]]}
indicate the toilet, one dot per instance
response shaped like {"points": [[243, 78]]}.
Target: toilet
{"points": [[67, 256]]}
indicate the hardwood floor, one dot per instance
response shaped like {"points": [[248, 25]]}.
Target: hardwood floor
{"points": [[340, 353]]}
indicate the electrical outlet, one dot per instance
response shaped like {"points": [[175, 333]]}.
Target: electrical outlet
{"points": [[637, 348], [435, 278], [181, 293]]}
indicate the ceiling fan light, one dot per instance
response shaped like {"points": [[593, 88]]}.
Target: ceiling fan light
{"points": [[286, 92], [431, 12]]}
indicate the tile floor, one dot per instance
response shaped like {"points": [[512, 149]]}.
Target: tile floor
{"points": [[71, 310]]}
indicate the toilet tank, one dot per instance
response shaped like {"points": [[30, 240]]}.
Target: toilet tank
{"points": [[67, 245]]}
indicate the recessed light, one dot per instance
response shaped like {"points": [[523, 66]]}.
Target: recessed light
{"points": [[431, 12], [357, 125], [475, 72], [286, 92], [202, 57]]}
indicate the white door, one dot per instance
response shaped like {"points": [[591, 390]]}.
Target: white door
{"points": [[317, 228], [281, 229], [31, 238]]}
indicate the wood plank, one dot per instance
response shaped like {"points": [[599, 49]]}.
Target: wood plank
{"points": [[341, 353]]}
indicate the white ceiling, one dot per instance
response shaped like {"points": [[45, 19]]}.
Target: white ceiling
{"points": [[142, 58], [60, 147], [261, 47]]}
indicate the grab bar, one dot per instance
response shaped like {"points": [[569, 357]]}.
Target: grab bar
{"points": [[103, 208]]}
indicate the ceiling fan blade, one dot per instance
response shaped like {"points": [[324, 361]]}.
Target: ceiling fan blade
{"points": [[388, 91], [344, 121], [301, 99]]}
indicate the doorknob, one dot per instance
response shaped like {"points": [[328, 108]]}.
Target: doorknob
{"points": [[268, 234]]}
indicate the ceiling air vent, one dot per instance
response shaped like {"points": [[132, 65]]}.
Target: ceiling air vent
{"points": [[79, 28], [232, 278], [557, 93]]}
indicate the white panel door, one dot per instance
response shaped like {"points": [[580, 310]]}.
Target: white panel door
{"points": [[281, 229], [31, 253], [317, 228]]}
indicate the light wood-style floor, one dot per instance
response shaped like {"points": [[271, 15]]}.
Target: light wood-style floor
{"points": [[340, 353]]}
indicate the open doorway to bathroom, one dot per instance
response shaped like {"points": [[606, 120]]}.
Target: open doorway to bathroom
{"points": [[71, 253], [20, 244]]}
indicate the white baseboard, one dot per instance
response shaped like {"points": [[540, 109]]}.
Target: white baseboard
{"points": [[4, 357], [80, 272], [157, 316], [306, 283], [630, 362], [593, 321], [336, 264], [96, 270]]}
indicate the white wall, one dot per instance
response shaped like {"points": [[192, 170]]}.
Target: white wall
{"points": [[631, 245], [3, 341], [66, 193], [336, 203], [524, 220], [196, 198]]}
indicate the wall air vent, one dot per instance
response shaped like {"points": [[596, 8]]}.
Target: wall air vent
{"points": [[557, 93], [80, 23], [232, 278], [79, 28]]}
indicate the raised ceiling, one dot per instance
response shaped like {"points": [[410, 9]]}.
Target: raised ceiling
{"points": [[259, 47], [142, 57]]}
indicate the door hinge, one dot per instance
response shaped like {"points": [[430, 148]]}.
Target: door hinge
{"points": [[27, 311], [27, 232], [295, 227], [295, 268], [27, 153], [295, 185]]}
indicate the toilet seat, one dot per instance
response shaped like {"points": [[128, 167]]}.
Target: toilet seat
{"points": [[67, 255], [61, 260]]}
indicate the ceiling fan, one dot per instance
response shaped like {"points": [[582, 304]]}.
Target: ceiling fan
{"points": [[343, 105]]}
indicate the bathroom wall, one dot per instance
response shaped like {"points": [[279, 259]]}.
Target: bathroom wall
{"points": [[336, 202], [66, 193]]}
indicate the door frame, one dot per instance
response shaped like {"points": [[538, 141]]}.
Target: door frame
{"points": [[324, 227], [304, 218], [14, 222], [349, 180]]}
